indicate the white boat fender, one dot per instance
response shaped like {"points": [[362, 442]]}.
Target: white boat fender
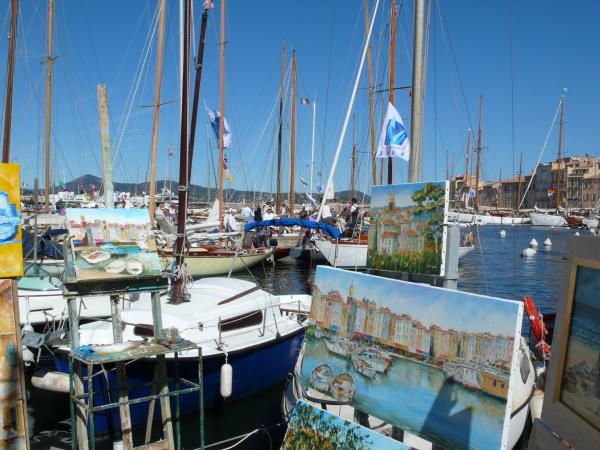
{"points": [[548, 242], [533, 243], [226, 380], [51, 381], [577, 233], [529, 252], [536, 403], [503, 233]]}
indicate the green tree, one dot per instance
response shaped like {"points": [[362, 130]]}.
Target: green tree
{"points": [[430, 202]]}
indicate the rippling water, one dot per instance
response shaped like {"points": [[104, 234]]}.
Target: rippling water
{"points": [[495, 268]]}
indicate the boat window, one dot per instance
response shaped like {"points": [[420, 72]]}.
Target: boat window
{"points": [[143, 330], [242, 321]]}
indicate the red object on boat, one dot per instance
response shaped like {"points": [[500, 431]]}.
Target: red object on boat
{"points": [[574, 221], [537, 326]]}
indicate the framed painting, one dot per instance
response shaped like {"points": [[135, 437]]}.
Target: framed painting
{"points": [[406, 227], [572, 398], [11, 249]]}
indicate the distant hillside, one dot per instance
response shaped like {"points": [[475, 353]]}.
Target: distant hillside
{"points": [[197, 193]]}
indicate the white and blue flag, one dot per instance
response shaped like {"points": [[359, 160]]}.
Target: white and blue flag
{"points": [[214, 121], [393, 142]]}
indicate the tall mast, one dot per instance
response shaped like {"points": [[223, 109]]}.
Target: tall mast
{"points": [[312, 145], [418, 92], [500, 189], [279, 135], [49, 61], [392, 76], [157, 85], [519, 181], [292, 198], [109, 198], [371, 101], [466, 181], [353, 172], [222, 111], [208, 163], [479, 144], [10, 72], [560, 141], [177, 296]]}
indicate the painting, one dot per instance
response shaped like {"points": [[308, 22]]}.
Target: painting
{"points": [[581, 374], [12, 417], [311, 428], [111, 244], [435, 362], [406, 232], [11, 250]]}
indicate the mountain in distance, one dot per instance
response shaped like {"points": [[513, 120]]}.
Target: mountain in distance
{"points": [[197, 193]]}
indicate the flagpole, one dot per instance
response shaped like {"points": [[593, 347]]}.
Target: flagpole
{"points": [[348, 112]]}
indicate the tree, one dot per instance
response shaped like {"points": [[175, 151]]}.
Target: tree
{"points": [[430, 201]]}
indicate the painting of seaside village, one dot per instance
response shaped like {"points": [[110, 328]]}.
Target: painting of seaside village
{"points": [[581, 376], [406, 232], [432, 361], [112, 243], [312, 428]]}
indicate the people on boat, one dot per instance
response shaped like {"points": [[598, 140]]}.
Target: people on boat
{"points": [[303, 213], [230, 222], [258, 214], [326, 215], [247, 215], [269, 215], [352, 217]]}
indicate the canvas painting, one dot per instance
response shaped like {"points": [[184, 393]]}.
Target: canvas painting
{"points": [[312, 428], [435, 362], [581, 376], [11, 250], [406, 232], [110, 244]]}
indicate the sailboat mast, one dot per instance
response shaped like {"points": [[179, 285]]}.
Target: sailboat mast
{"points": [[183, 163], [500, 189], [353, 172], [10, 72], [560, 142], [155, 117], [392, 76], [279, 135], [519, 181], [292, 198], [109, 198], [467, 181], [371, 101], [418, 92], [222, 111], [49, 61], [312, 145], [479, 144]]}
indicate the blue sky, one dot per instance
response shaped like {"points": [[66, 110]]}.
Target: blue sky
{"points": [[430, 305], [402, 194], [554, 46]]}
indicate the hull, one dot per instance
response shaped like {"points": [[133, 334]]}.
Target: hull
{"points": [[463, 250], [210, 265], [484, 219], [547, 220], [307, 255], [343, 255], [254, 369]]}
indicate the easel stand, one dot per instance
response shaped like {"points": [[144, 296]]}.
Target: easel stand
{"points": [[85, 367]]}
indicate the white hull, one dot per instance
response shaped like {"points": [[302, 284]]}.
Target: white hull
{"points": [[547, 220], [343, 255], [590, 223], [484, 219], [464, 250], [211, 265]]}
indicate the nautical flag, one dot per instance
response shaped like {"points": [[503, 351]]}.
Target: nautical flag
{"points": [[214, 121], [393, 141], [226, 172], [305, 101]]}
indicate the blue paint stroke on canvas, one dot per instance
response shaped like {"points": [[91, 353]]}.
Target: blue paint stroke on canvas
{"points": [[9, 220]]}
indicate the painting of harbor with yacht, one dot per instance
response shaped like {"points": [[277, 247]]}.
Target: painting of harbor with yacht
{"points": [[406, 232], [402, 353]]}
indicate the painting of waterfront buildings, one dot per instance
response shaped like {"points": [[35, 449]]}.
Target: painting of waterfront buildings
{"points": [[312, 428], [112, 244], [433, 361], [406, 230]]}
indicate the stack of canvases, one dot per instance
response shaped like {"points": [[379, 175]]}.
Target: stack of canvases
{"points": [[439, 363]]}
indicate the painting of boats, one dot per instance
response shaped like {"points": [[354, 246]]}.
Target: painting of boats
{"points": [[434, 348]]}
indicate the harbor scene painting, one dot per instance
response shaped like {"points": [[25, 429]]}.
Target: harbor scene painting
{"points": [[406, 232], [431, 361], [112, 243], [314, 428], [581, 376]]}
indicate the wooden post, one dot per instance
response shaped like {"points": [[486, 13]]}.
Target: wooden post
{"points": [[109, 198], [222, 111], [371, 101], [279, 135], [10, 73], [479, 147], [292, 199], [155, 117], [392, 76], [49, 61], [81, 419], [418, 92]]}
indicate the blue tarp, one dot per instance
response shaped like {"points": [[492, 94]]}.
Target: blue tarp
{"points": [[46, 247], [329, 229]]}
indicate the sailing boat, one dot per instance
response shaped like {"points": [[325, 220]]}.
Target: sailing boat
{"points": [[549, 218]]}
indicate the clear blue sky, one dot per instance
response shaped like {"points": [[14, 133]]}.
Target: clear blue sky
{"points": [[554, 46]]}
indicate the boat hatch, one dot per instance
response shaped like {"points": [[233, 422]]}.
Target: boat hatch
{"points": [[143, 330], [241, 321]]}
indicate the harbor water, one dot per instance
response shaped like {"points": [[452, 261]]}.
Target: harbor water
{"points": [[494, 268]]}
